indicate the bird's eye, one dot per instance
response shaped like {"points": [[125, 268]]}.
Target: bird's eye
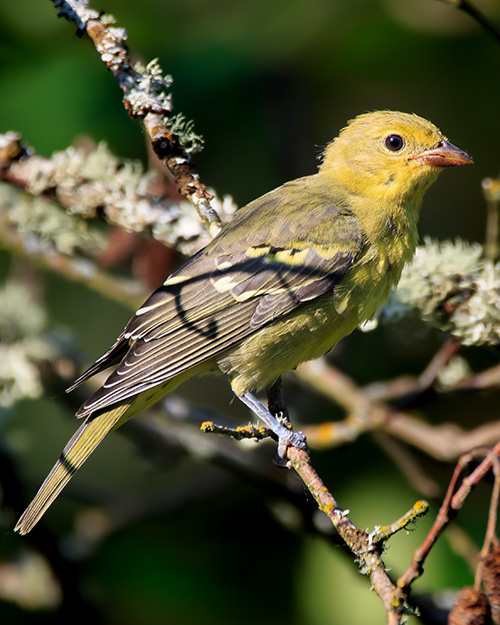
{"points": [[394, 143]]}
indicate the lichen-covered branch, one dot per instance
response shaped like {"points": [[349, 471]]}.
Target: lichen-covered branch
{"points": [[452, 287], [366, 551], [36, 229], [146, 99], [91, 183]]}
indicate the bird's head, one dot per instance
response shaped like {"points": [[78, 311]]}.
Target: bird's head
{"points": [[389, 155]]}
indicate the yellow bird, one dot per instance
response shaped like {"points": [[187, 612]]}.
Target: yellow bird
{"points": [[294, 272]]}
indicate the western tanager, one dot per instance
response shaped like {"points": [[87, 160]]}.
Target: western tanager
{"points": [[294, 272]]}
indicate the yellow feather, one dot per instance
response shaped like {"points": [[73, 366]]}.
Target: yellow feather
{"points": [[78, 449]]}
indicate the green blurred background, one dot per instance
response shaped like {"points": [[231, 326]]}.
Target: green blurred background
{"points": [[268, 84]]}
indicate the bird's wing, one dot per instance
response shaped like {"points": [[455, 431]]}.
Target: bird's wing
{"points": [[218, 298]]}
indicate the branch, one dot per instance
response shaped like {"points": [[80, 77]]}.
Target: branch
{"points": [[145, 99], [480, 18], [366, 551], [365, 414], [91, 183], [76, 269], [453, 502]]}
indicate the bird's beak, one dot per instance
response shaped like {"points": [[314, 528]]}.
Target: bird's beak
{"points": [[444, 155]]}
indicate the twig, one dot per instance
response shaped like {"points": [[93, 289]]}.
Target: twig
{"points": [[430, 373], [488, 378], [145, 99], [362, 545], [367, 553], [490, 535], [467, 7], [381, 534], [452, 503], [74, 268], [255, 432], [491, 192], [443, 442]]}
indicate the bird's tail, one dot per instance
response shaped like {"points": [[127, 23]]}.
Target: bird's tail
{"points": [[78, 449]]}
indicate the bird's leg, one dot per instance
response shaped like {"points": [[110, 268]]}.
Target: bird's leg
{"points": [[277, 407], [276, 403], [286, 436]]}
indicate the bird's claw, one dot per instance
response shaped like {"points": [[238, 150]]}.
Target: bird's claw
{"points": [[288, 439], [286, 436]]}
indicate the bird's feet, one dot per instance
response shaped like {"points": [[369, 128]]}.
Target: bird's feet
{"points": [[288, 439], [286, 436]]}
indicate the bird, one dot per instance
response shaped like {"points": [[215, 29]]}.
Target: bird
{"points": [[294, 271]]}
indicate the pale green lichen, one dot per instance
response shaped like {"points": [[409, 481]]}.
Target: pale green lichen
{"points": [[455, 370], [189, 234], [86, 181], [30, 582], [97, 182], [184, 130], [452, 287], [38, 218], [23, 344], [151, 79], [20, 315]]}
